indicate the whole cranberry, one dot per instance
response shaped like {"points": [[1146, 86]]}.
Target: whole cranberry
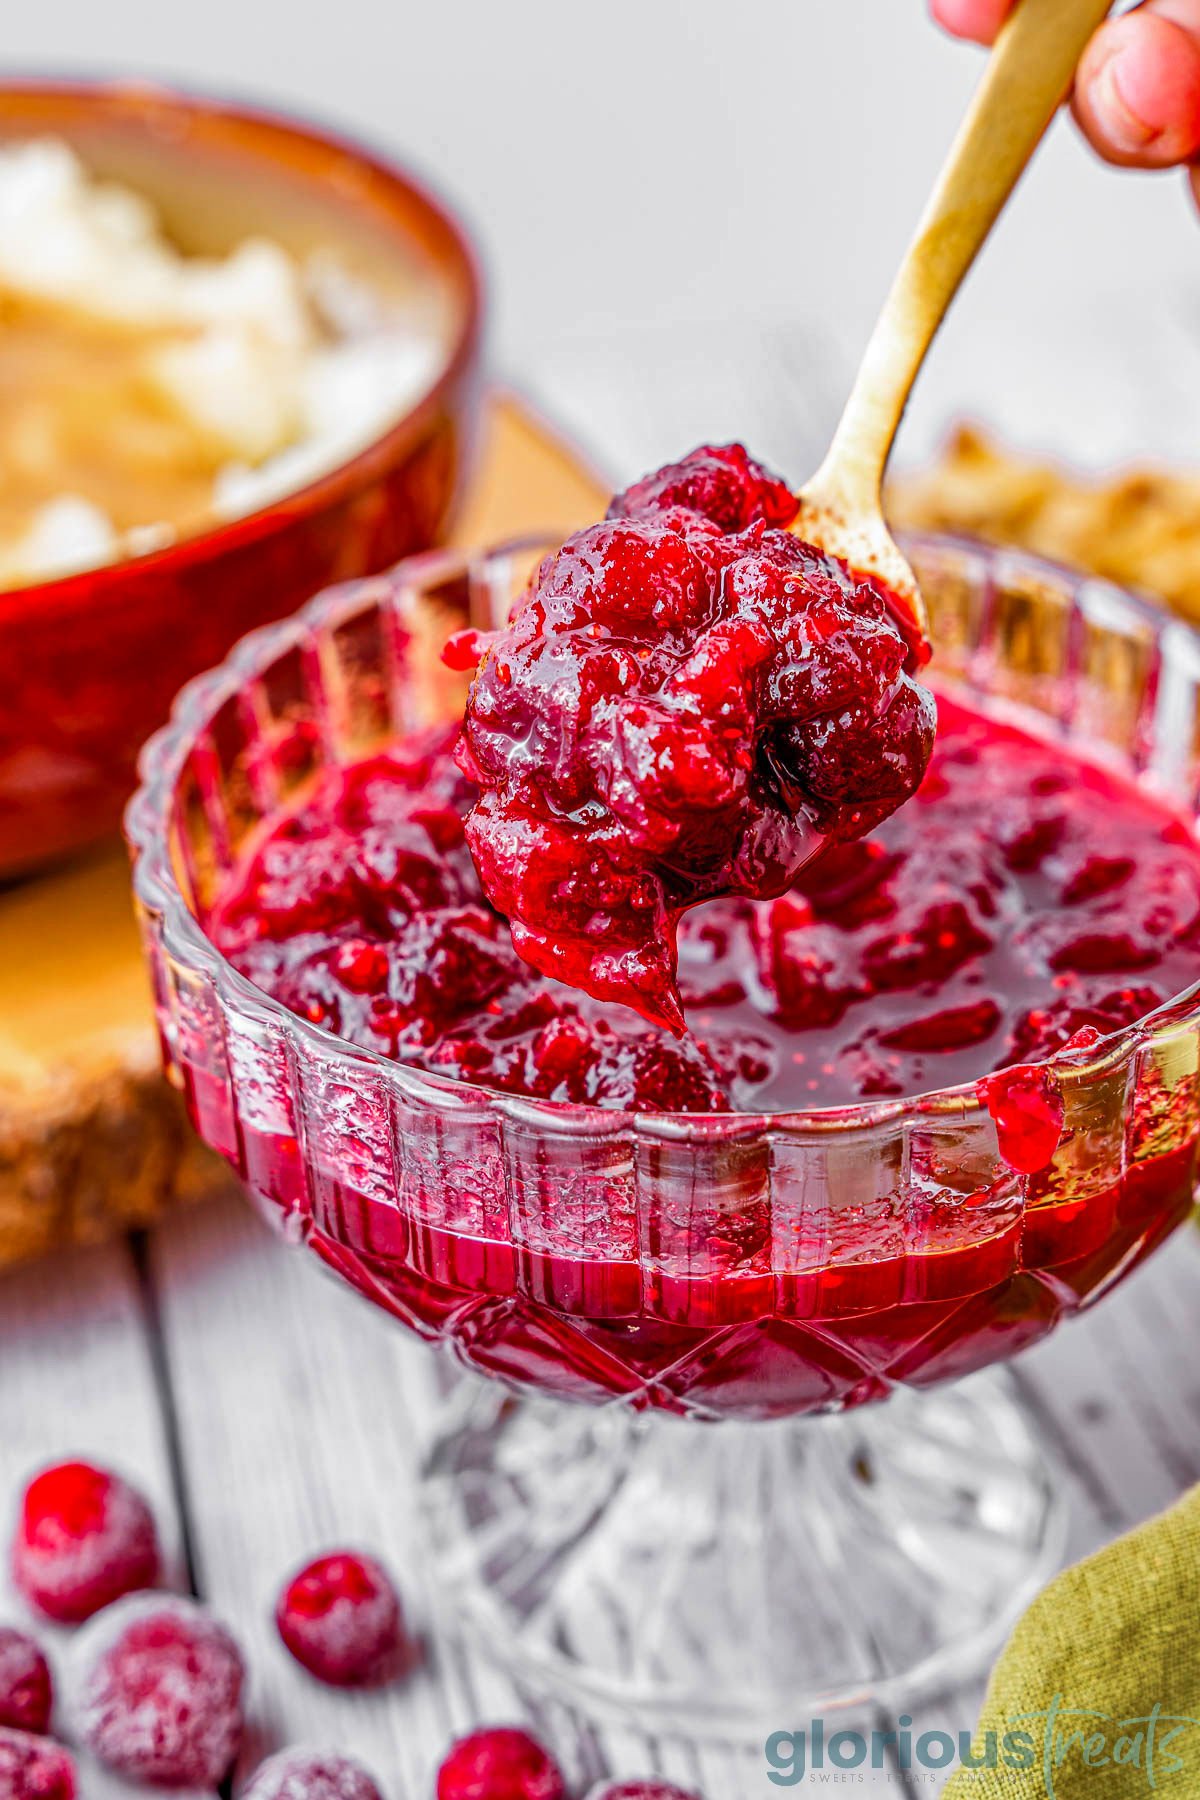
{"points": [[32, 1768], [84, 1537], [311, 1775], [158, 1692], [641, 1790], [340, 1618], [500, 1763], [26, 1691], [1028, 1111]]}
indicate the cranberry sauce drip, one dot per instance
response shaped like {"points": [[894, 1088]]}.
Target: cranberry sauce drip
{"points": [[686, 702], [1022, 898]]}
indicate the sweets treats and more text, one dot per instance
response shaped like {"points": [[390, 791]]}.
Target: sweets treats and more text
{"points": [[146, 394]]}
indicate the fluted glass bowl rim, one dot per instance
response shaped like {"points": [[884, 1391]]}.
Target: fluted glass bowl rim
{"points": [[158, 892]]}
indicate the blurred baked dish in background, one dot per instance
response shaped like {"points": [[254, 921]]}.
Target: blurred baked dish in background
{"points": [[1139, 527]]}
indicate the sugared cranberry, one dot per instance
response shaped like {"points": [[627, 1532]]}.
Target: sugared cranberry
{"points": [[340, 1618], [501, 1763], [687, 702], [26, 1691], [641, 1790], [84, 1538], [158, 1692], [32, 1768], [311, 1775]]}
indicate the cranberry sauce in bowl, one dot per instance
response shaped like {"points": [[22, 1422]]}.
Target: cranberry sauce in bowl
{"points": [[1024, 901], [851, 1171]]}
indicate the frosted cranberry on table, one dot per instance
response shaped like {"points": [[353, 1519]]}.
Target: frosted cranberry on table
{"points": [[32, 1768], [311, 1775], [84, 1538], [500, 1763], [340, 1618], [26, 1690], [641, 1790], [156, 1692]]}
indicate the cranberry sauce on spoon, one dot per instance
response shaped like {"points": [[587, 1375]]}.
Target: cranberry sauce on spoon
{"points": [[689, 701]]}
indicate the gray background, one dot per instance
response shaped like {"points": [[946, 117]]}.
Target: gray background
{"points": [[657, 181]]}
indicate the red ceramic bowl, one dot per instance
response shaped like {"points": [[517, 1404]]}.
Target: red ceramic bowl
{"points": [[91, 662]]}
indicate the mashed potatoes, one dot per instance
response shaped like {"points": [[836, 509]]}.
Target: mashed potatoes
{"points": [[145, 394]]}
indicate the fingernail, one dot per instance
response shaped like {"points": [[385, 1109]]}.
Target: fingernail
{"points": [[1121, 123]]}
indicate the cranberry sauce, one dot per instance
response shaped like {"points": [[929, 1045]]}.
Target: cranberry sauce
{"points": [[687, 702], [1021, 898]]}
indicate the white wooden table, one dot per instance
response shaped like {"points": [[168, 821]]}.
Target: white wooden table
{"points": [[269, 1414]]}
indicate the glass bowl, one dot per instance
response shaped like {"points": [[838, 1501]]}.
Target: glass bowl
{"points": [[677, 1271], [92, 661]]}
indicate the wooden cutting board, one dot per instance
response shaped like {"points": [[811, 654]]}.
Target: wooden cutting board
{"points": [[92, 1140]]}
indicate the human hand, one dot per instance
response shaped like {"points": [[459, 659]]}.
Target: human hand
{"points": [[1137, 91]]}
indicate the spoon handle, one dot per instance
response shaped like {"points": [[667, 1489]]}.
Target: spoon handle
{"points": [[1028, 76]]}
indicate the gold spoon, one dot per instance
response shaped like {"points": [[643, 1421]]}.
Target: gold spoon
{"points": [[1028, 76]]}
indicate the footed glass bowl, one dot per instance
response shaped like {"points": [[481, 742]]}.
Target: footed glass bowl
{"points": [[676, 1271]]}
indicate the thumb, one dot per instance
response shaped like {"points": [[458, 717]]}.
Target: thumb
{"points": [[978, 20], [1137, 94]]}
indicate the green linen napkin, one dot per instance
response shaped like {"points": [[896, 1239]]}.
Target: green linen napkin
{"points": [[1102, 1676]]}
